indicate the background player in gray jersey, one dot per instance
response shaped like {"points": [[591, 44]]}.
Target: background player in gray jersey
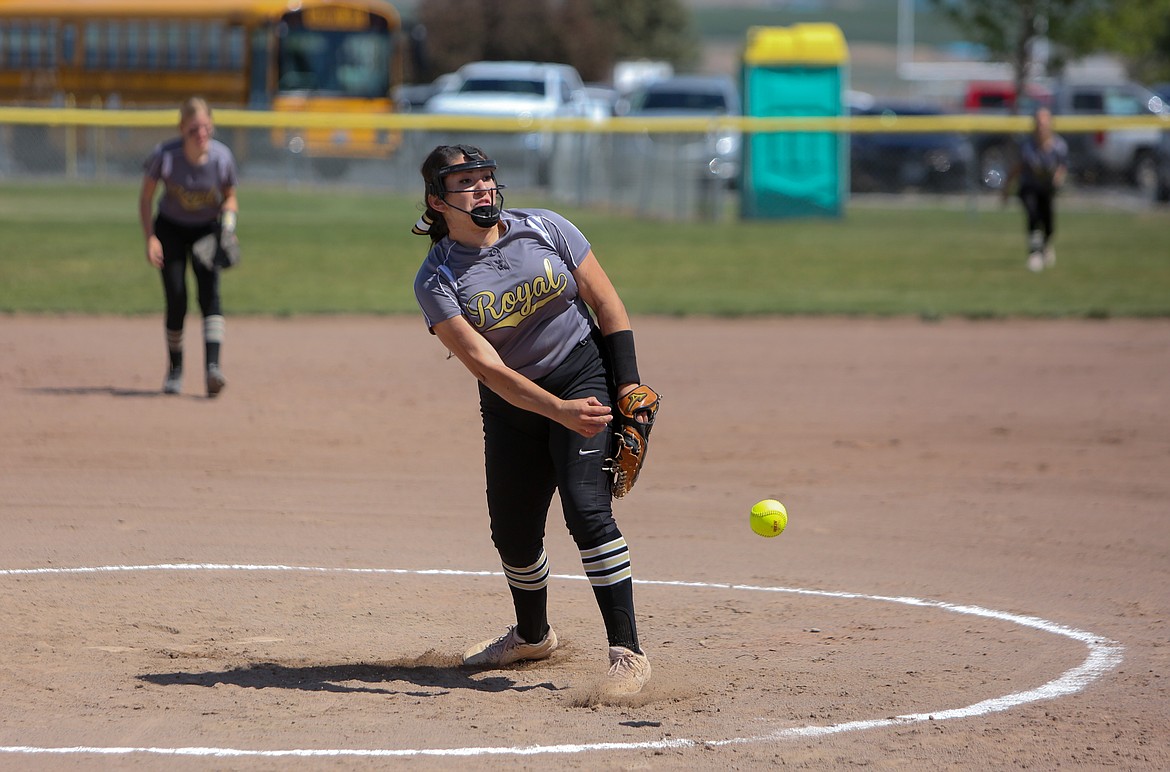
{"points": [[509, 292], [199, 178], [1040, 169]]}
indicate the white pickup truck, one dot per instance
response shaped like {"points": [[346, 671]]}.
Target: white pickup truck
{"points": [[529, 90]]}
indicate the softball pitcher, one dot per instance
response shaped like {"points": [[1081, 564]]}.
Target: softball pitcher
{"points": [[199, 179], [509, 292]]}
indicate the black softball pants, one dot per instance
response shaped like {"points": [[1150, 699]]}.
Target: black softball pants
{"points": [[176, 242], [529, 457], [1039, 211]]}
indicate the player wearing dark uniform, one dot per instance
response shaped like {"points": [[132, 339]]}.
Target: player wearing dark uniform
{"points": [[1040, 170], [509, 292], [199, 181]]}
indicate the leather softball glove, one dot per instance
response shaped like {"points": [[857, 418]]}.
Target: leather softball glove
{"points": [[633, 421]]}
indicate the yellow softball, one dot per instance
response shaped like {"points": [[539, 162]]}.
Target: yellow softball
{"points": [[769, 518]]}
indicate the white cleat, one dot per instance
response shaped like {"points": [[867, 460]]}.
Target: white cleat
{"points": [[215, 381], [510, 648], [174, 381], [628, 672]]}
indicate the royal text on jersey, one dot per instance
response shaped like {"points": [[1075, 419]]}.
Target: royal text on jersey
{"points": [[489, 312]]}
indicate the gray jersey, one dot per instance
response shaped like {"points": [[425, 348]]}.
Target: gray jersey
{"points": [[192, 194], [519, 293], [1038, 165]]}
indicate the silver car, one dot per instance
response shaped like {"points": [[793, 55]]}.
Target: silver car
{"points": [[715, 154]]}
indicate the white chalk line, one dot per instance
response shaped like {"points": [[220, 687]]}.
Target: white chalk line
{"points": [[1104, 655]]}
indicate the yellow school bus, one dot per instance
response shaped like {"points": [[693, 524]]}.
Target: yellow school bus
{"points": [[280, 55]]}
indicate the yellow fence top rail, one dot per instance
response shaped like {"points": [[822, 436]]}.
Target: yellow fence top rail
{"points": [[962, 123]]}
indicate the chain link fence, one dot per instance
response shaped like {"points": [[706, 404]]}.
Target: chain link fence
{"points": [[671, 175], [661, 175]]}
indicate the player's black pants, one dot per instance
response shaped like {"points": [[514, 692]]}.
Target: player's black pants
{"points": [[176, 242], [529, 457], [1039, 212]]}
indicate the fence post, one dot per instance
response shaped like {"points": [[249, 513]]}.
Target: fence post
{"points": [[70, 141], [99, 144]]}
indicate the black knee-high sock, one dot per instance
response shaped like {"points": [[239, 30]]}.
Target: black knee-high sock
{"points": [[608, 567], [617, 609], [529, 585], [531, 613], [175, 348]]}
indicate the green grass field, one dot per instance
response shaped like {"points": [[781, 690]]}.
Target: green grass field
{"points": [[78, 248]]}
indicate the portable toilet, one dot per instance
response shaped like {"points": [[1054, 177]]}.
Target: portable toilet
{"points": [[797, 71]]}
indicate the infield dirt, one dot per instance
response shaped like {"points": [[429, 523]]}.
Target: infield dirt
{"points": [[1015, 466]]}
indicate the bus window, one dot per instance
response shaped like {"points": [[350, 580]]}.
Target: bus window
{"points": [[51, 35], [194, 45], [14, 45], [69, 44], [214, 50], [258, 97], [364, 66], [114, 56], [93, 39], [297, 68], [133, 45], [174, 45], [34, 44], [153, 46], [27, 41], [235, 46], [349, 63]]}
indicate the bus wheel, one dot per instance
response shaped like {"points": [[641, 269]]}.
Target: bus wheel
{"points": [[1145, 174], [35, 149], [331, 168]]}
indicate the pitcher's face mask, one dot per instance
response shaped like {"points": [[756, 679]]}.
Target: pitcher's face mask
{"points": [[485, 215]]}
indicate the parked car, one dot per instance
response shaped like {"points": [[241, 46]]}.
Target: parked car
{"points": [[1162, 188], [413, 97], [896, 161], [1122, 155], [521, 89], [714, 155], [601, 102], [1163, 91]]}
